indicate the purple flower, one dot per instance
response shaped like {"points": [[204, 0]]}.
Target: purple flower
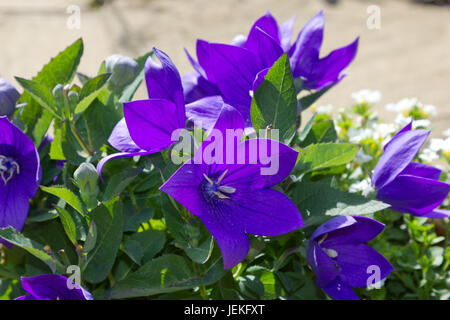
{"points": [[233, 197], [148, 125], [8, 98], [236, 70], [408, 186], [339, 257], [52, 287], [19, 175]]}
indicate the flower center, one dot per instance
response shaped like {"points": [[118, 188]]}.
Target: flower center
{"points": [[8, 168], [213, 190]]}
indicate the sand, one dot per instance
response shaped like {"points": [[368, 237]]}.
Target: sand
{"points": [[409, 56]]}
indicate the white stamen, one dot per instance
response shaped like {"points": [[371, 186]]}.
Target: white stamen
{"points": [[220, 195], [208, 179], [323, 238], [222, 176]]}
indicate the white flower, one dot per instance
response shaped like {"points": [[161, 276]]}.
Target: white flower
{"points": [[366, 96], [424, 123], [401, 120], [363, 186], [327, 109], [361, 157], [429, 109], [356, 135], [446, 133], [405, 104], [437, 145], [428, 155]]}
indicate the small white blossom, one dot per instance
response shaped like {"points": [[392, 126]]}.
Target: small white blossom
{"points": [[327, 109], [424, 123], [429, 110], [446, 133], [428, 155], [405, 104], [366, 96], [363, 186], [361, 157]]}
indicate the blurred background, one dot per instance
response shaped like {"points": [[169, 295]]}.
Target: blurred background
{"points": [[406, 53]]}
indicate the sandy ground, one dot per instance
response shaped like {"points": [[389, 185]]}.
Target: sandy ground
{"points": [[409, 56]]}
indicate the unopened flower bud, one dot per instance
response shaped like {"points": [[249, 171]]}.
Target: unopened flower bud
{"points": [[8, 98], [58, 91], [124, 69], [73, 99], [86, 177], [86, 174]]}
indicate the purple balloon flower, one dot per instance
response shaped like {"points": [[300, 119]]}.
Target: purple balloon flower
{"points": [[236, 70], [8, 98], [408, 186], [339, 257], [148, 125], [233, 197], [19, 175], [52, 287]]}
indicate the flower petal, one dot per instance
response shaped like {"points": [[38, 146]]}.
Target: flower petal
{"points": [[332, 225], [439, 214], [266, 47], [304, 53], [228, 232], [422, 170], [14, 206], [364, 230], [196, 87], [413, 194], [357, 262], [266, 212], [398, 156], [266, 23], [121, 140], [152, 122], [163, 80], [340, 291], [53, 287], [235, 70], [321, 264], [205, 112], [286, 30], [184, 186], [328, 70], [104, 160]]}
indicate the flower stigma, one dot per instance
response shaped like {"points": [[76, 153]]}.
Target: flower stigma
{"points": [[213, 190], [8, 168]]}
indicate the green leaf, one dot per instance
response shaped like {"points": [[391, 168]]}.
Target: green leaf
{"points": [[41, 94], [325, 155], [119, 182], [274, 103], [308, 100], [129, 91], [317, 201], [68, 224], [141, 247], [320, 132], [302, 136], [109, 221], [90, 91], [71, 148], [60, 70], [65, 194], [16, 238], [199, 254], [168, 273]]}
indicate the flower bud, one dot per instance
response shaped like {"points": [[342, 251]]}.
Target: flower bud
{"points": [[86, 174], [73, 99], [58, 91], [86, 177], [124, 69], [8, 98]]}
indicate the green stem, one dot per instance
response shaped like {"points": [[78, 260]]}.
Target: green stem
{"points": [[80, 140]]}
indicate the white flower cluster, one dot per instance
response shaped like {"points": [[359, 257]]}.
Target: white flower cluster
{"points": [[405, 106], [366, 96]]}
